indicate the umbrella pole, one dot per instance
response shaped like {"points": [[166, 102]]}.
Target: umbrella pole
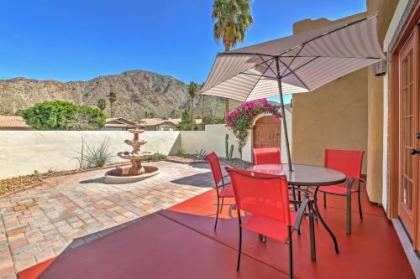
{"points": [[286, 134]]}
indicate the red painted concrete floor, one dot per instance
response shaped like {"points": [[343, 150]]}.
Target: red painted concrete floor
{"points": [[180, 243]]}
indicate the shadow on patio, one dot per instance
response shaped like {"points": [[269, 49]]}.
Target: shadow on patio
{"points": [[180, 243]]}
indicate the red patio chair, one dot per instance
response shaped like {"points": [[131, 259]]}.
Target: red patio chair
{"points": [[272, 155], [350, 163], [266, 155], [223, 189], [266, 200]]}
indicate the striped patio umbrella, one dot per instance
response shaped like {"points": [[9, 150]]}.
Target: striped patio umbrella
{"points": [[295, 64]]}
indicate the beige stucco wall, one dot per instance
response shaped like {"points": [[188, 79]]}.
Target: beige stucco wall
{"points": [[333, 116], [348, 112], [23, 152], [384, 10]]}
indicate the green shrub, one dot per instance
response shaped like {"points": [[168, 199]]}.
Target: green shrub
{"points": [[184, 126], [214, 120], [157, 157], [180, 151], [60, 115]]}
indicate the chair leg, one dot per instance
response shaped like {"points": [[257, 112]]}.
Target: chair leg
{"points": [[360, 205], [221, 206], [238, 263], [290, 254], [348, 213], [325, 200], [217, 214], [294, 196], [299, 194]]}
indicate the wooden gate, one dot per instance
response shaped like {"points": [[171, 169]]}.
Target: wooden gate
{"points": [[266, 132]]}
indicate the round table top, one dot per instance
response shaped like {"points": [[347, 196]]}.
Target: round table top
{"points": [[303, 175]]}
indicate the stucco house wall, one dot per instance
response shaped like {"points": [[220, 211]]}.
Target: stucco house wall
{"points": [[333, 116], [346, 113]]}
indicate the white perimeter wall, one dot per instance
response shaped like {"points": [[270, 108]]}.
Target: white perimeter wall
{"points": [[213, 139], [399, 11], [23, 152]]}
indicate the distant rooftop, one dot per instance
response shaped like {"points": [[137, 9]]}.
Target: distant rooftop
{"points": [[11, 122]]}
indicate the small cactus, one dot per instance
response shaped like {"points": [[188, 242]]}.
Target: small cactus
{"points": [[227, 146], [229, 152]]}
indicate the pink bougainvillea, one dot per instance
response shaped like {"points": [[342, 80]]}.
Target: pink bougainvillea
{"points": [[240, 119]]}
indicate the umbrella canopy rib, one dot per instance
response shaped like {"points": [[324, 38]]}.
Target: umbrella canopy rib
{"points": [[291, 71]]}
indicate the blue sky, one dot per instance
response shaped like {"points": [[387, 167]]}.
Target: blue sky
{"points": [[79, 40]]}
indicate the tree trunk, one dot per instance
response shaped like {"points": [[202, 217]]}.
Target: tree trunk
{"points": [[192, 114], [226, 105], [112, 112], [227, 48], [202, 111]]}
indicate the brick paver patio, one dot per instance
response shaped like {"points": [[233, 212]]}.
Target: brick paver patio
{"points": [[39, 223]]}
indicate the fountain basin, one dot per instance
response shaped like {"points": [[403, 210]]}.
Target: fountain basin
{"points": [[121, 175]]}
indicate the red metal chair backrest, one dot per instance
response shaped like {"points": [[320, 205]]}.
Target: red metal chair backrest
{"points": [[215, 168], [266, 155], [347, 161], [261, 194]]}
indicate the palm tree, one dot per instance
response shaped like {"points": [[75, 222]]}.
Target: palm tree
{"points": [[231, 20], [112, 97], [101, 104], [202, 111], [193, 88]]}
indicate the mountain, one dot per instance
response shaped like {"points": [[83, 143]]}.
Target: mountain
{"points": [[138, 92]]}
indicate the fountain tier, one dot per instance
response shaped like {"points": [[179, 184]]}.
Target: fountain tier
{"points": [[136, 171]]}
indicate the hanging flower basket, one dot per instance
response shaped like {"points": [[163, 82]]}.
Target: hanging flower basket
{"points": [[240, 119]]}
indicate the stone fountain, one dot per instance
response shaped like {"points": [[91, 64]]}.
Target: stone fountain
{"points": [[136, 171]]}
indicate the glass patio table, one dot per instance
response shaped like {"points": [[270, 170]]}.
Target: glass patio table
{"points": [[307, 177]]}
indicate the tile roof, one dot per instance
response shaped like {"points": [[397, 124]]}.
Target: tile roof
{"points": [[12, 122]]}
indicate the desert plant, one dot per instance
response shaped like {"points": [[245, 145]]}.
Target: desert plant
{"points": [[94, 156], [101, 104], [157, 156], [81, 157], [61, 115], [98, 156], [229, 152], [201, 154], [112, 97], [226, 146], [193, 89]]}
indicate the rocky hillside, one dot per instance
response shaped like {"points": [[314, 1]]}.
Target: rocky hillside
{"points": [[138, 92]]}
